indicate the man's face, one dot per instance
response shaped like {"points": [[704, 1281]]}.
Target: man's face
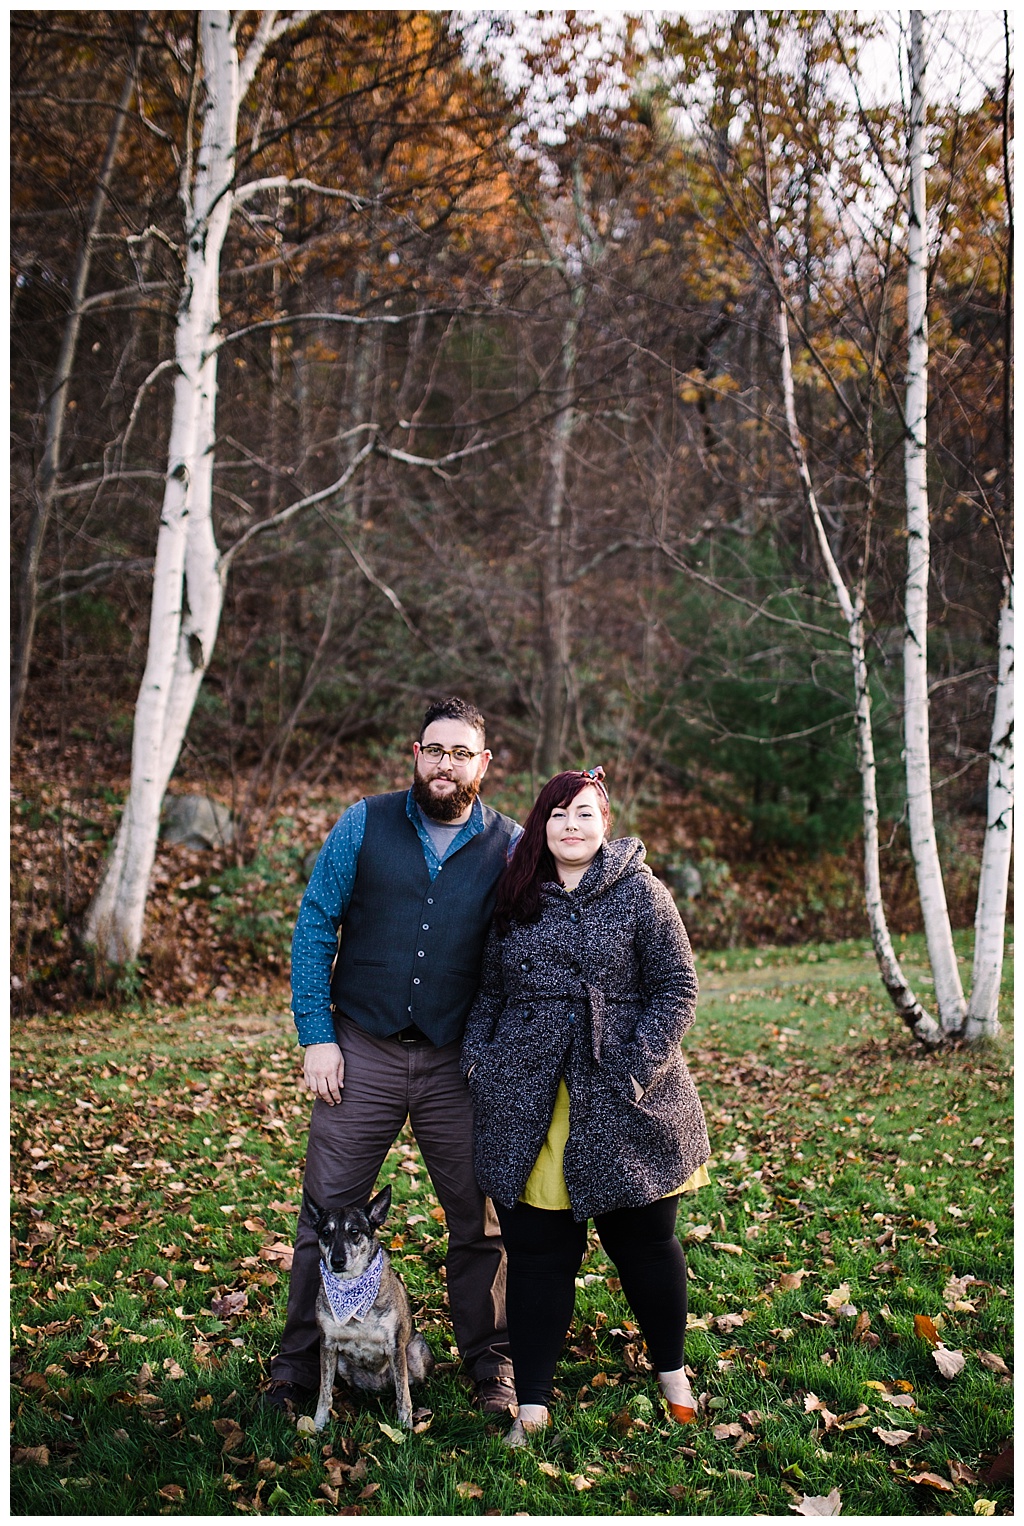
{"points": [[443, 787]]}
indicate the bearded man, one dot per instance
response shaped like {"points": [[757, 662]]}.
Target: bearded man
{"points": [[409, 880]]}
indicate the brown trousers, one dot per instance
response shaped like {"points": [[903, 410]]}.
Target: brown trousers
{"points": [[385, 1083]]}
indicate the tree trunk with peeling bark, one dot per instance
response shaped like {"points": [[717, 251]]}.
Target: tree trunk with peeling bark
{"points": [[949, 994], [187, 576], [920, 1023], [990, 919]]}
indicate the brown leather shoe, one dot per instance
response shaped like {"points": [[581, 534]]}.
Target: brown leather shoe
{"points": [[495, 1396]]}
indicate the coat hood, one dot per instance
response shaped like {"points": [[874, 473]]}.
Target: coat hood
{"points": [[615, 861]]}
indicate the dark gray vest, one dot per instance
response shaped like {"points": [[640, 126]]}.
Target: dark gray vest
{"points": [[411, 948]]}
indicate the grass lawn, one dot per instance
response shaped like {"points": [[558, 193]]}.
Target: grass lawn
{"points": [[157, 1161]]}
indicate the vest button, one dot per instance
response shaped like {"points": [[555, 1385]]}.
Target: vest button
{"points": [[572, 1017], [573, 917]]}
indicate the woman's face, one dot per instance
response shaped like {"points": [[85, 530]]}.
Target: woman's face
{"points": [[576, 831]]}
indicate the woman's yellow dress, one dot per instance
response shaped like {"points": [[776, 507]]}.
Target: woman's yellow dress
{"points": [[545, 1186]]}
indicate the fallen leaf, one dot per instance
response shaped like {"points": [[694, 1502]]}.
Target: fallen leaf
{"points": [[892, 1438], [838, 1298], [172, 1368], [171, 1492], [733, 1250], [364, 1494], [550, 1469], [900, 1401], [438, 1214], [231, 1303], [726, 1429], [819, 1504], [933, 1480], [579, 1482], [35, 1381], [994, 1363], [924, 1329], [949, 1363], [955, 1288], [304, 1425], [697, 1232], [38, 1457], [790, 1281], [724, 1323], [392, 1433], [960, 1473], [984, 1507], [862, 1326], [468, 1491]]}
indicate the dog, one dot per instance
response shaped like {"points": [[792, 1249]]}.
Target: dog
{"points": [[367, 1334]]}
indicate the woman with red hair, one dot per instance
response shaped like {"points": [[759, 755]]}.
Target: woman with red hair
{"points": [[583, 1104]]}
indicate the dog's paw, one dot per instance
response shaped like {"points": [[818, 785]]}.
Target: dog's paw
{"points": [[320, 1419]]}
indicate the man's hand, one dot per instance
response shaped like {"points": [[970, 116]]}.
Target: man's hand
{"points": [[324, 1071]]}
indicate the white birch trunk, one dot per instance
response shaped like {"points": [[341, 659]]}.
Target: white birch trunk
{"points": [[554, 587], [187, 585], [921, 1024], [949, 994], [990, 919]]}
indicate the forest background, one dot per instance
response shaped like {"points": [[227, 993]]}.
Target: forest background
{"points": [[498, 412]]}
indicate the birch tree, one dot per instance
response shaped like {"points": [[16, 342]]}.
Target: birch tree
{"points": [[990, 920], [852, 607], [187, 576], [949, 993]]}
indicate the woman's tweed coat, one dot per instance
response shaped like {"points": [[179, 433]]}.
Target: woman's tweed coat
{"points": [[600, 990]]}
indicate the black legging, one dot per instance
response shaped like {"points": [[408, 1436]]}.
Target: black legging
{"points": [[545, 1249]]}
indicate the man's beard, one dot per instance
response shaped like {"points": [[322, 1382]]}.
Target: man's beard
{"points": [[444, 807]]}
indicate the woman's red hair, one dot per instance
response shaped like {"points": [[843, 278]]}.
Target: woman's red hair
{"points": [[531, 864]]}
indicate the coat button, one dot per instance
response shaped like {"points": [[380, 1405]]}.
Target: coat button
{"points": [[415, 981], [572, 1017], [426, 927], [419, 953], [524, 966], [573, 917], [430, 900]]}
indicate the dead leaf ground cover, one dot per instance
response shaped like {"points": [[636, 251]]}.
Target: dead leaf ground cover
{"points": [[859, 1224]]}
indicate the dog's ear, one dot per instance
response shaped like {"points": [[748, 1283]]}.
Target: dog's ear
{"points": [[313, 1210], [377, 1207]]}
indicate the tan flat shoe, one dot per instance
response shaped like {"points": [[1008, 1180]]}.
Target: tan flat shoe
{"points": [[683, 1414], [519, 1435]]}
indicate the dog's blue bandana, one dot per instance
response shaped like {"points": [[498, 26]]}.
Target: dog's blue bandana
{"points": [[352, 1297]]}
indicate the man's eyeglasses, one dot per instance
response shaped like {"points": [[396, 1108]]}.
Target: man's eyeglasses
{"points": [[435, 753]]}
